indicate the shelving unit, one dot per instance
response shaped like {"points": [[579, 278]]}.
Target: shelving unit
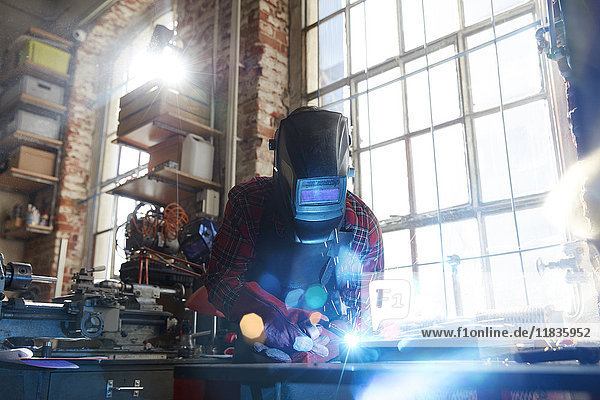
{"points": [[24, 181], [162, 128], [38, 71], [163, 186], [27, 232], [18, 138], [29, 100], [40, 189]]}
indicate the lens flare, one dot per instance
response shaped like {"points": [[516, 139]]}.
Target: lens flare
{"points": [[315, 318], [352, 340], [315, 296], [252, 326]]}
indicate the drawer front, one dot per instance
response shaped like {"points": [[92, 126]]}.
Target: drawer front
{"points": [[157, 385]]}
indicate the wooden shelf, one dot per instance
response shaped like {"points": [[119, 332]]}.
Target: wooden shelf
{"points": [[25, 181], [163, 186], [36, 70], [184, 179], [18, 138], [28, 231], [163, 127], [36, 102]]}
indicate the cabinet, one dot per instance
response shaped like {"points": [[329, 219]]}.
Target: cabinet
{"points": [[33, 94]]}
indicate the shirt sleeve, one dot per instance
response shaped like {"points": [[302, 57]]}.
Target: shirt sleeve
{"points": [[372, 266], [232, 252]]}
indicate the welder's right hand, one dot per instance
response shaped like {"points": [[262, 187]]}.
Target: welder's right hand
{"points": [[290, 330]]}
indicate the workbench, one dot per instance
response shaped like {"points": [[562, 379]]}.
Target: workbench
{"points": [[388, 380], [136, 378]]}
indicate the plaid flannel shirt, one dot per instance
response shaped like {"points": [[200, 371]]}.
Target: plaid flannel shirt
{"points": [[233, 249]]}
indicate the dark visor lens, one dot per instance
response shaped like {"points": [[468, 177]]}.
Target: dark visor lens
{"points": [[319, 190]]}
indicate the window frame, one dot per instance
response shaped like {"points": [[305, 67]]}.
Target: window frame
{"points": [[551, 90]]}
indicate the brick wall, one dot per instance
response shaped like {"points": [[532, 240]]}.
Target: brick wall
{"points": [[263, 90]]}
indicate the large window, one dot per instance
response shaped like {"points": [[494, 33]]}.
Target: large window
{"points": [[455, 144], [117, 164]]}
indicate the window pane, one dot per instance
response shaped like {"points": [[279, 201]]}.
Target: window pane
{"points": [[444, 90], [125, 207], [483, 73], [380, 112], [441, 18], [144, 157], [491, 158], [412, 24], [451, 168], [390, 190], [382, 30], [461, 238], [428, 244], [332, 50], [111, 160], [531, 148], [358, 50], [417, 101], [312, 60], [102, 249], [468, 287], [396, 245], [520, 69], [429, 301], [327, 7], [334, 96], [105, 212], [128, 160], [507, 281], [478, 10]]}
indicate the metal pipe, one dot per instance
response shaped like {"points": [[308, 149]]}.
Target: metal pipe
{"points": [[232, 98], [43, 279]]}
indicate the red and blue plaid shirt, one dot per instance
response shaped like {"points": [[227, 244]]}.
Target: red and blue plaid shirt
{"points": [[233, 249]]}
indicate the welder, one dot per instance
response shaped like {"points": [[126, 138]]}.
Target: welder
{"points": [[288, 261]]}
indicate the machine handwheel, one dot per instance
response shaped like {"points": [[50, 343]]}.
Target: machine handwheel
{"points": [[92, 325]]}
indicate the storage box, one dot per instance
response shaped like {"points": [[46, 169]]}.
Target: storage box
{"points": [[34, 87], [169, 150], [27, 121], [183, 107], [150, 95], [45, 55], [197, 157], [33, 160]]}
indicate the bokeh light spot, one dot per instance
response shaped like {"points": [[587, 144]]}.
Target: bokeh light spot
{"points": [[293, 297], [315, 318], [252, 326], [315, 296]]}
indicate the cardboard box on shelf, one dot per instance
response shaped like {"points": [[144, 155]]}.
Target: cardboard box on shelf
{"points": [[26, 121], [33, 160], [169, 150], [35, 87]]}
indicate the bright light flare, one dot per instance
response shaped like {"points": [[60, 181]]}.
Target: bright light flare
{"points": [[168, 66], [575, 201], [351, 339]]}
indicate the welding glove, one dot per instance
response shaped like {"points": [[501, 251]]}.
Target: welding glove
{"points": [[285, 329]]}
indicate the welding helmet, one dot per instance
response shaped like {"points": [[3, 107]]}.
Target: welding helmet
{"points": [[310, 172]]}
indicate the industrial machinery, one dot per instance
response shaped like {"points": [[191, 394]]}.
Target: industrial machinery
{"points": [[108, 318]]}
